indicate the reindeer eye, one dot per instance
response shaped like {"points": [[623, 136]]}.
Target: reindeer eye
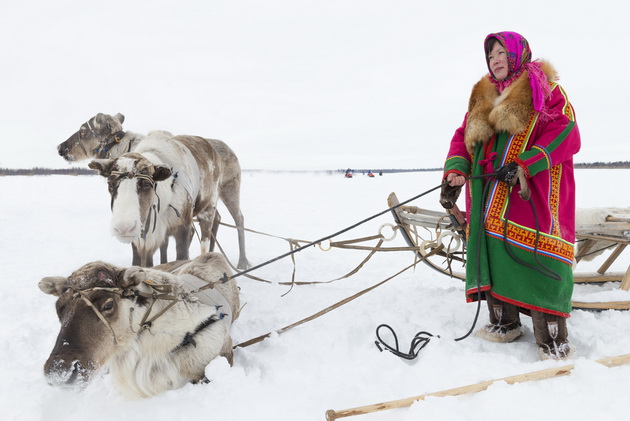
{"points": [[144, 184], [108, 305]]}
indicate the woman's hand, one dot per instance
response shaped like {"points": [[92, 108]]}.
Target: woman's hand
{"points": [[450, 192], [455, 180]]}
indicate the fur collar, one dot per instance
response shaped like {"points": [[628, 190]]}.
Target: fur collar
{"points": [[490, 112]]}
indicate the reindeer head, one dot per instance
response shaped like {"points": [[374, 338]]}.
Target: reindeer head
{"points": [[132, 180], [94, 317], [87, 141]]}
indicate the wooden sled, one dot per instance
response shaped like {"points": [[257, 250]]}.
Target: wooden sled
{"points": [[424, 230], [615, 231]]}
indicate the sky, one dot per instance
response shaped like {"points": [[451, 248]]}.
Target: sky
{"points": [[295, 85]]}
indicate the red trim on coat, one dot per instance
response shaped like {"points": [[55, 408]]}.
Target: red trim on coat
{"points": [[513, 302], [523, 165], [458, 172], [530, 307], [475, 290]]}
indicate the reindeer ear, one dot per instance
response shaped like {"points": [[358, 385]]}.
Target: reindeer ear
{"points": [[105, 276], [53, 285], [113, 124], [104, 166], [120, 118], [161, 173], [132, 276]]}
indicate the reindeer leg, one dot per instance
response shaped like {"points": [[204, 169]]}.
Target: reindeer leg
{"points": [[135, 260], [206, 218], [149, 260], [141, 257], [183, 237], [215, 229], [164, 250], [230, 195]]}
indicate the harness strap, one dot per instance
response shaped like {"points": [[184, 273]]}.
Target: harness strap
{"points": [[99, 314], [189, 338]]}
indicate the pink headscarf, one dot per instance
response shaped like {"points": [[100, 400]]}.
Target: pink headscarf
{"points": [[519, 59]]}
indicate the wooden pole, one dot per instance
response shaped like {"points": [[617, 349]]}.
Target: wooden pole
{"points": [[332, 415]]}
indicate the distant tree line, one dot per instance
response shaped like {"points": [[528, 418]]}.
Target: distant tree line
{"points": [[618, 164], [47, 171], [87, 171], [387, 170]]}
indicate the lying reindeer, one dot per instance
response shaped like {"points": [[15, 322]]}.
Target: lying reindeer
{"points": [[147, 325], [102, 136]]}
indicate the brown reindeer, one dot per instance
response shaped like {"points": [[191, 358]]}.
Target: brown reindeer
{"points": [[102, 136], [161, 186]]}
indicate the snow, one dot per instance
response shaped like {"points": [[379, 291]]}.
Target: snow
{"points": [[52, 225]]}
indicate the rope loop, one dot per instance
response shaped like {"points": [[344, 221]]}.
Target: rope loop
{"points": [[393, 228], [324, 248], [420, 340]]}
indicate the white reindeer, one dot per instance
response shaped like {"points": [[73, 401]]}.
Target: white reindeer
{"points": [[160, 187], [145, 324]]}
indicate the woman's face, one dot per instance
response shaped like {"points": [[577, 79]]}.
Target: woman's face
{"points": [[497, 61]]}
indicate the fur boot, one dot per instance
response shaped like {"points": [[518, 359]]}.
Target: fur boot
{"points": [[505, 323], [551, 336]]}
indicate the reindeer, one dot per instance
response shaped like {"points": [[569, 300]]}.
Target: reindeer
{"points": [[102, 136], [161, 186], [153, 328]]}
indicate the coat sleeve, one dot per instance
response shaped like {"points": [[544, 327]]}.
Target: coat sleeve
{"points": [[458, 159], [559, 139]]}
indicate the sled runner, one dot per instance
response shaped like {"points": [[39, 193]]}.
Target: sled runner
{"points": [[425, 230]]}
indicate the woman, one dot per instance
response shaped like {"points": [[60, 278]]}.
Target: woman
{"points": [[519, 125]]}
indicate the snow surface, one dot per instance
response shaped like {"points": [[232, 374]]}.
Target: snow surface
{"points": [[52, 225]]}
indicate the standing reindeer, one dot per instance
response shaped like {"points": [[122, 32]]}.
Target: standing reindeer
{"points": [[102, 136], [160, 187]]}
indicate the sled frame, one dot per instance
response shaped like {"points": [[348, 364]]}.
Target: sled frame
{"points": [[421, 229]]}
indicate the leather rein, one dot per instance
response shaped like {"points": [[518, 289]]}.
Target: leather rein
{"points": [[159, 292]]}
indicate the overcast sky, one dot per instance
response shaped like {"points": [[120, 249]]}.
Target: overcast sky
{"points": [[322, 84]]}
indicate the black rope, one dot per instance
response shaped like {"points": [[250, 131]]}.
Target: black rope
{"points": [[542, 269], [328, 237], [419, 341], [423, 338], [482, 224], [590, 253]]}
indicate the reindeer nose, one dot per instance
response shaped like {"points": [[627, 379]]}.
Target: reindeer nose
{"points": [[126, 230]]}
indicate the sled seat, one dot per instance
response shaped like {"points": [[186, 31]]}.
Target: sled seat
{"points": [[613, 232]]}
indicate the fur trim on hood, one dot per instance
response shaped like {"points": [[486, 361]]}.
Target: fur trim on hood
{"points": [[490, 112]]}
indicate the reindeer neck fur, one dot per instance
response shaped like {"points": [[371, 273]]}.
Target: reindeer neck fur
{"points": [[146, 365], [166, 199], [127, 144], [173, 153], [491, 112], [130, 141]]}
